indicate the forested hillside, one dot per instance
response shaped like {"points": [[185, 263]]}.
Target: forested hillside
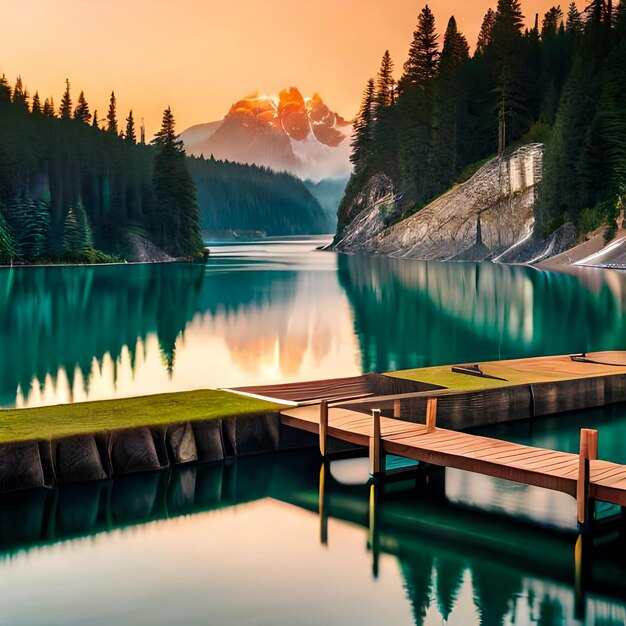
{"points": [[247, 197], [560, 82], [71, 186]]}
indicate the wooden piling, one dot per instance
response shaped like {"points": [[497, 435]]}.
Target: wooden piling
{"points": [[588, 452], [376, 454], [431, 414], [323, 427], [397, 409]]}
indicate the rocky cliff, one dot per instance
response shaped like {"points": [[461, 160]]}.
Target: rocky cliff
{"points": [[491, 216]]}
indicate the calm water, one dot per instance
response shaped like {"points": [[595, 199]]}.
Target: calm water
{"points": [[259, 542], [281, 311]]}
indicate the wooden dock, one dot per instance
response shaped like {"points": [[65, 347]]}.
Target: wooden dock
{"points": [[582, 476]]}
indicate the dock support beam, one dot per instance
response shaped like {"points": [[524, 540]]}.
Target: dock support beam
{"points": [[377, 456], [324, 427], [588, 452], [397, 409], [431, 414]]}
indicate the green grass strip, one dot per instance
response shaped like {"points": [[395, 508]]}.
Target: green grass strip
{"points": [[52, 422]]}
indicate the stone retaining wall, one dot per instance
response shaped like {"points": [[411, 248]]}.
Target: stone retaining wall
{"points": [[91, 457]]}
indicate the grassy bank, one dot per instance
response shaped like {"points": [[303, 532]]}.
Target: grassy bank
{"points": [[516, 372], [90, 417]]}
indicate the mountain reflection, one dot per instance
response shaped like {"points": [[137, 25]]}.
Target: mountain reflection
{"points": [[411, 314]]}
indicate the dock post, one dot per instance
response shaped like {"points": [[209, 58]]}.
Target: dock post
{"points": [[323, 427], [397, 409], [431, 414], [588, 452], [377, 461]]}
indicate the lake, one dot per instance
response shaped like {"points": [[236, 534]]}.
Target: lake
{"points": [[279, 310], [270, 540]]}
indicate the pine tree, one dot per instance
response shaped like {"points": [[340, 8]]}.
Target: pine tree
{"points": [[95, 122], [574, 24], [177, 215], [385, 84], [143, 133], [421, 66], [81, 112], [36, 106], [77, 233], [29, 221], [552, 22], [486, 31], [48, 108], [65, 111], [112, 115], [451, 106], [20, 95], [6, 93], [509, 66], [130, 128], [362, 136]]}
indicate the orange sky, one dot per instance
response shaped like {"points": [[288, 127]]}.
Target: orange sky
{"points": [[199, 56]]}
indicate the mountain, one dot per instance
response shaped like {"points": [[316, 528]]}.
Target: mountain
{"points": [[288, 132]]}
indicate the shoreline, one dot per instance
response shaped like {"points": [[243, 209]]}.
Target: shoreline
{"points": [[96, 440]]}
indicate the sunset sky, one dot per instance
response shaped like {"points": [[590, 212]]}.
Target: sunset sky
{"points": [[199, 56]]}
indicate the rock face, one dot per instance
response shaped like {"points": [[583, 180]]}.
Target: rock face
{"points": [[484, 218]]}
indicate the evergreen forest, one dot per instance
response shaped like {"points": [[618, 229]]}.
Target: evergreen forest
{"points": [[561, 82]]}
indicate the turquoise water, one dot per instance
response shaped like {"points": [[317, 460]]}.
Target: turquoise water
{"points": [[279, 310], [266, 541]]}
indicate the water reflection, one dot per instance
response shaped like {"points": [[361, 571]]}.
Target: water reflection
{"points": [[411, 314], [437, 560], [281, 311]]}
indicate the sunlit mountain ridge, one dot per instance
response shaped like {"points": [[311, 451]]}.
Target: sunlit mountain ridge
{"points": [[285, 132]]}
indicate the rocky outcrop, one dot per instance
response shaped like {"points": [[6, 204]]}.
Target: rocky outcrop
{"points": [[373, 209], [144, 251], [484, 218]]}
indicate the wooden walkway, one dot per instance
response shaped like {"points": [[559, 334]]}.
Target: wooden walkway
{"points": [[581, 476]]}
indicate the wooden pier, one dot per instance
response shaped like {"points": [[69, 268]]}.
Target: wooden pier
{"points": [[582, 476]]}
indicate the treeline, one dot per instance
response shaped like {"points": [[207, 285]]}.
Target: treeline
{"points": [[560, 82], [72, 186], [248, 197]]}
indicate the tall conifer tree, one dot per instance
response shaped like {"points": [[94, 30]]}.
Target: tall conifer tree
{"points": [[36, 106], [486, 31], [112, 115], [385, 84], [65, 111], [177, 213], [131, 135], [81, 112], [362, 137], [6, 92], [421, 66]]}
